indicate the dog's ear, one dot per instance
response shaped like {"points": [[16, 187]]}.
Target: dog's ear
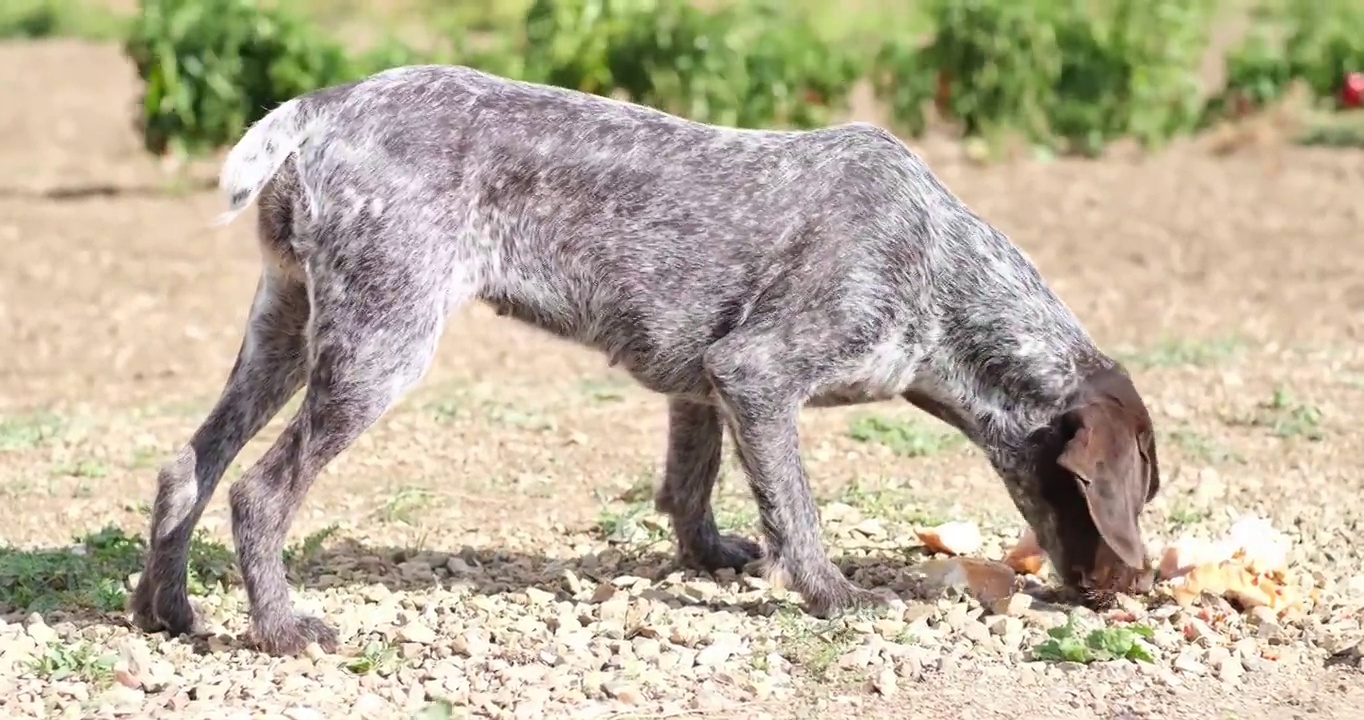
{"points": [[1108, 464]]}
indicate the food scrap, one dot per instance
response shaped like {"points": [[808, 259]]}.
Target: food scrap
{"points": [[987, 580], [952, 538], [1248, 567], [1026, 557]]}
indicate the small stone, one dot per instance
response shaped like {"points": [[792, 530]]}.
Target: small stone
{"points": [[713, 655], [369, 705], [572, 583], [604, 592], [871, 527], [1014, 605], [40, 632], [303, 712], [538, 596], [885, 682], [1187, 662], [121, 696], [623, 692], [415, 632], [1196, 630], [1231, 670], [375, 594], [977, 633]]}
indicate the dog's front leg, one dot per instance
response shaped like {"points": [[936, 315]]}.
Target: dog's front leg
{"points": [[695, 437], [761, 400]]}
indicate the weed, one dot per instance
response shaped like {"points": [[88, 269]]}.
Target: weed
{"points": [[1286, 418], [1174, 352], [633, 525], [603, 390], [85, 469], [903, 438], [375, 657], [79, 661], [402, 507], [30, 431], [1124, 642], [438, 709], [512, 417], [814, 644], [888, 502], [54, 18], [1182, 515], [296, 556], [211, 564], [1201, 447]]}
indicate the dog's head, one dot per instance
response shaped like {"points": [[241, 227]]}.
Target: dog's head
{"points": [[1091, 472]]}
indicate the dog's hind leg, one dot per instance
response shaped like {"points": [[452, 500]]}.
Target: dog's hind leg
{"points": [[377, 313], [269, 369]]}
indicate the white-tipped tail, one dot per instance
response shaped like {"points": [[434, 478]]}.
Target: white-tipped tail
{"points": [[261, 152]]}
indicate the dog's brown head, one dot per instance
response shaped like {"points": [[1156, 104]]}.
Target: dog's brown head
{"points": [[1095, 470]]}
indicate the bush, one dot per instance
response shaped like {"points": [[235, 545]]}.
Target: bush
{"points": [[749, 65], [1054, 72], [49, 18], [1320, 43], [213, 67]]}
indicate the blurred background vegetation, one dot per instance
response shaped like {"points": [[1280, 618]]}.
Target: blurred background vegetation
{"points": [[1056, 76]]}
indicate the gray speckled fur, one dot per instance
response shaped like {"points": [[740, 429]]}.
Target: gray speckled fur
{"points": [[742, 273]]}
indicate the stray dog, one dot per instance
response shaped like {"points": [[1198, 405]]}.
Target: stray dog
{"points": [[742, 273]]}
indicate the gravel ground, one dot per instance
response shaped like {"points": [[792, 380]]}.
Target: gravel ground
{"points": [[489, 549]]}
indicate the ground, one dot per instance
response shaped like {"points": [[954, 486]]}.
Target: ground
{"points": [[488, 549]]}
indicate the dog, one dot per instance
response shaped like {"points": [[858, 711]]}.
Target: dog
{"points": [[744, 274]]}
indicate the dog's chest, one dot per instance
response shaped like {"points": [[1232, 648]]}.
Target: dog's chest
{"points": [[883, 373]]}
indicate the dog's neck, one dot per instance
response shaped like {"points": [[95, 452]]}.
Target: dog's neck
{"points": [[1001, 393]]}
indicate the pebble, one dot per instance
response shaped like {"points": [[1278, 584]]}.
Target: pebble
{"points": [[416, 632]]}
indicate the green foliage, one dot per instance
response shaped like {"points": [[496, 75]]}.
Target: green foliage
{"points": [[51, 18], [1123, 642], [1318, 42], [213, 67], [91, 575], [748, 64], [1056, 73], [1064, 75]]}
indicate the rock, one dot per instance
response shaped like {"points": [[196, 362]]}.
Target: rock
{"points": [[369, 705], [1231, 670], [415, 632], [623, 692], [536, 596], [885, 682], [40, 632], [1015, 605], [1187, 662]]}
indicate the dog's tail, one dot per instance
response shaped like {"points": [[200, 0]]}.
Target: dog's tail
{"points": [[263, 150]]}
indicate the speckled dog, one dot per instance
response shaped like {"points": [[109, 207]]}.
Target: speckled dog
{"points": [[741, 273]]}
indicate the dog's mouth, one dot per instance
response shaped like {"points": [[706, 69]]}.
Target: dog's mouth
{"points": [[1100, 586]]}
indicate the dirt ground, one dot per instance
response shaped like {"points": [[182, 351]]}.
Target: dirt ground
{"points": [[506, 497]]}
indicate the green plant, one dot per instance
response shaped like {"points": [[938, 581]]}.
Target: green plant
{"points": [[751, 64], [213, 67], [53, 18], [1057, 73], [80, 661], [1318, 42], [903, 438], [375, 657], [1123, 642], [91, 574]]}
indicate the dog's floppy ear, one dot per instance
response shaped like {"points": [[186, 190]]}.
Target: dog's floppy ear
{"points": [[1104, 457]]}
